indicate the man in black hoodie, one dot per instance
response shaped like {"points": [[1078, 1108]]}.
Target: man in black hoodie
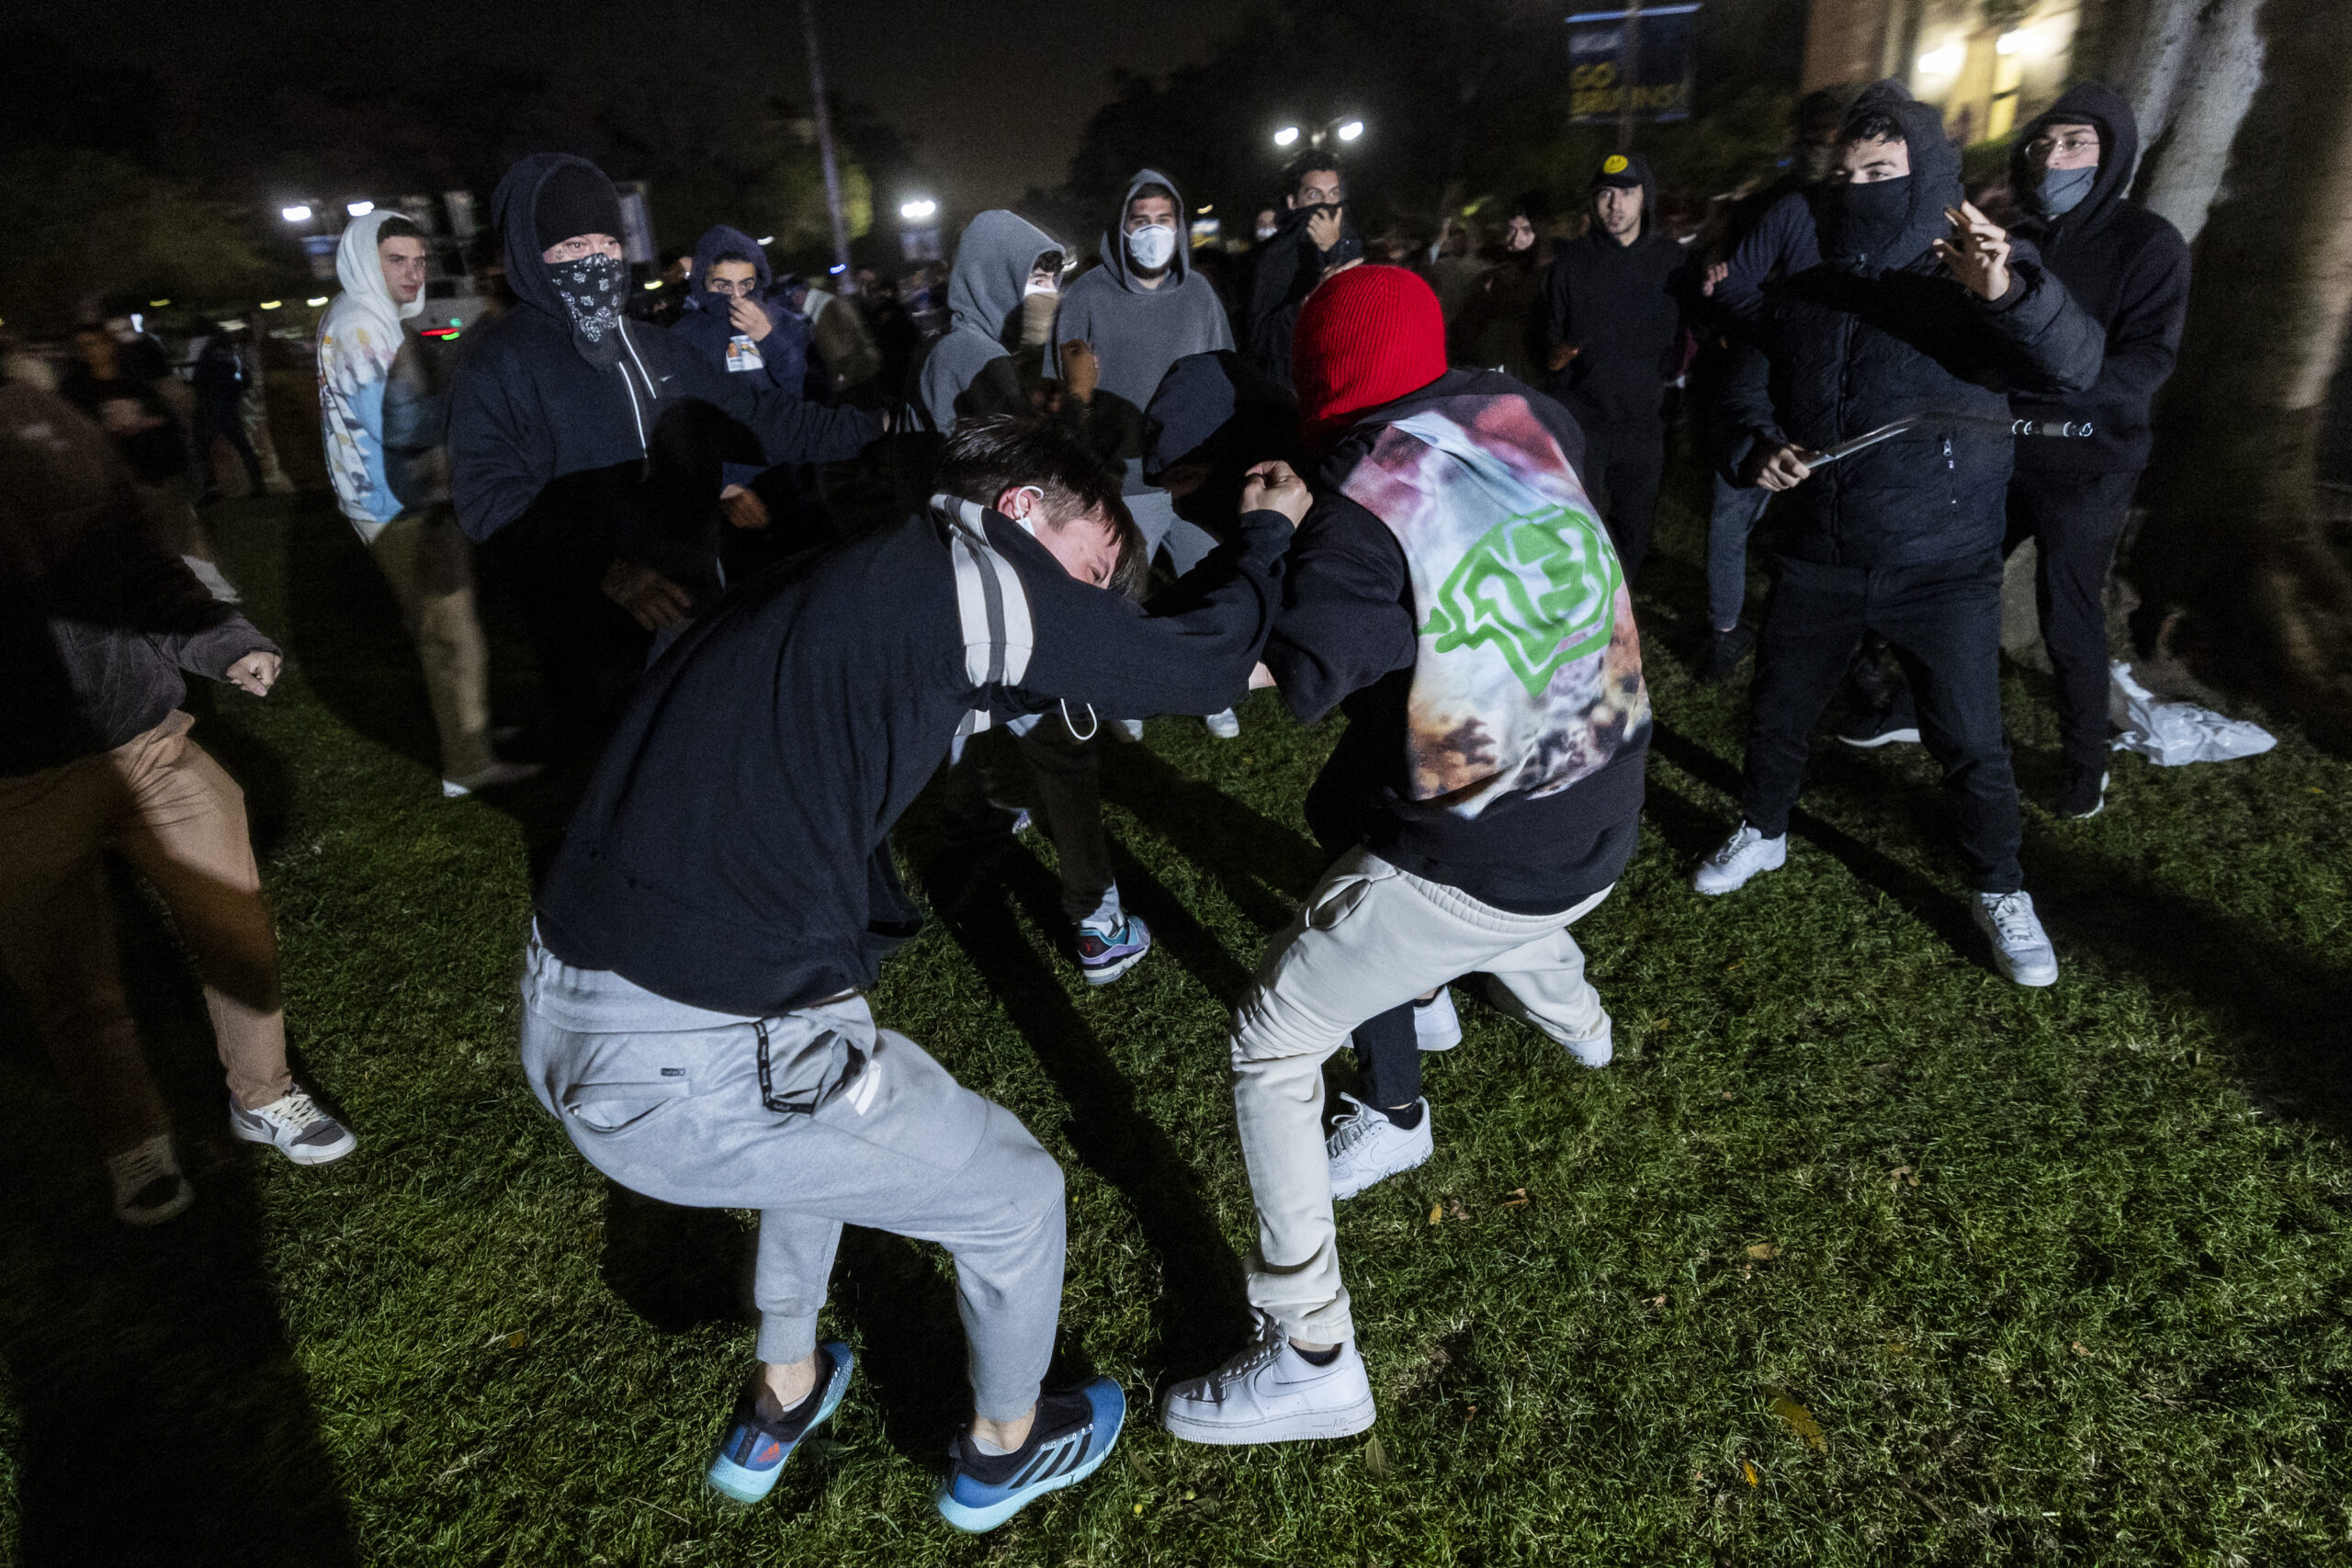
{"points": [[1314, 241], [1904, 537], [557, 416], [2128, 268], [1612, 317]]}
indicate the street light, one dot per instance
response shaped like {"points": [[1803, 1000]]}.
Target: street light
{"points": [[298, 213], [315, 301], [1286, 136], [1350, 130], [917, 210], [359, 208], [1330, 129]]}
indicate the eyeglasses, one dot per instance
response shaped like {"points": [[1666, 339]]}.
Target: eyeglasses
{"points": [[2048, 146]]}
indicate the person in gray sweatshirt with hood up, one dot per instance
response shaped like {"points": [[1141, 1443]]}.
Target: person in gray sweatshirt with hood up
{"points": [[1121, 327]]}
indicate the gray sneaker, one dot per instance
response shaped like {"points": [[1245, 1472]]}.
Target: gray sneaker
{"points": [[148, 1186], [296, 1126]]}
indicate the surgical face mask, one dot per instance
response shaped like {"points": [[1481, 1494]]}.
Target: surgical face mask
{"points": [[2061, 190], [1152, 246], [1036, 513]]}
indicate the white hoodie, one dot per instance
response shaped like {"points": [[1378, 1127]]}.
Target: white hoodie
{"points": [[357, 338]]}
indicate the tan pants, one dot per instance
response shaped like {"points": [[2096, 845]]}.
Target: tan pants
{"points": [[426, 557], [173, 812]]}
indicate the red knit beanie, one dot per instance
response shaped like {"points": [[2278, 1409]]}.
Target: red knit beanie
{"points": [[1365, 338]]}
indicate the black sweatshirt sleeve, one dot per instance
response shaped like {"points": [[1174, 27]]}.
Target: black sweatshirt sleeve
{"points": [[1743, 413], [2048, 342], [1346, 617], [1189, 651], [789, 428]]}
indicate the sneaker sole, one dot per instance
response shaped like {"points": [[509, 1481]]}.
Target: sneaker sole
{"points": [[324, 1154], [1340, 1197], [1700, 886], [1891, 738], [1105, 974], [980, 1521], [171, 1211], [2036, 980], [1300, 1428], [736, 1484]]}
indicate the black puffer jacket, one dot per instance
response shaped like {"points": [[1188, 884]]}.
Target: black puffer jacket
{"points": [[1859, 340], [2125, 266]]}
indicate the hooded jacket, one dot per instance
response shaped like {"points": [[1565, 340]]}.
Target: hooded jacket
{"points": [[99, 622], [1620, 305], [1511, 768], [358, 338], [2129, 268], [993, 261], [527, 410], [1866, 338], [1289, 267], [780, 359], [1137, 332]]}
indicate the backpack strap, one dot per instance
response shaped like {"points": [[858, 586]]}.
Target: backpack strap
{"points": [[990, 604]]}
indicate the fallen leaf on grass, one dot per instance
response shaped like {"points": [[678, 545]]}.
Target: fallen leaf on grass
{"points": [[1437, 1213], [1764, 1252], [1900, 1175], [1518, 1197], [1748, 1472], [1800, 1421], [2080, 1349], [517, 1340], [1662, 1024], [1376, 1458], [1657, 1300], [1454, 1211]]}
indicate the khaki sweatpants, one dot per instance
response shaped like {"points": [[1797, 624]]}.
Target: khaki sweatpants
{"points": [[1371, 937], [426, 559], [180, 819]]}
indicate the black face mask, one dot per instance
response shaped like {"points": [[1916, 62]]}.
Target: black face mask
{"points": [[1871, 216]]}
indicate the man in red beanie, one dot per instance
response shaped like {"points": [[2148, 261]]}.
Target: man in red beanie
{"points": [[1454, 590]]}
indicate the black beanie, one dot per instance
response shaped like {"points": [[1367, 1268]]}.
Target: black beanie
{"points": [[575, 199]]}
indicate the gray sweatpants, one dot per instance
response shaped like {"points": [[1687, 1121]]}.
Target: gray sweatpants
{"points": [[668, 1100]]}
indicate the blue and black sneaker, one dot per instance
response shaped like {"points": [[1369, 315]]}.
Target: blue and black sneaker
{"points": [[1072, 1437], [1105, 953], [753, 1453]]}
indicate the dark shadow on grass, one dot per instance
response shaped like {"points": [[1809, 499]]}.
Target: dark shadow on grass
{"points": [[676, 1268], [1202, 1302], [1264, 867], [345, 629], [163, 1420]]}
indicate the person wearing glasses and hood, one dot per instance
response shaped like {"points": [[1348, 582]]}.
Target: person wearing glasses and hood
{"points": [[556, 416], [1921, 306], [1132, 317], [2072, 168]]}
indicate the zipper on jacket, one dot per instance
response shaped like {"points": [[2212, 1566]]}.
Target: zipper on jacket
{"points": [[644, 448]]}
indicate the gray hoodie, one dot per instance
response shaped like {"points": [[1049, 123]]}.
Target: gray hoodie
{"points": [[993, 260], [1138, 333]]}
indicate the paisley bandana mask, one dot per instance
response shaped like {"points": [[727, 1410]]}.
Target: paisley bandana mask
{"points": [[591, 290]]}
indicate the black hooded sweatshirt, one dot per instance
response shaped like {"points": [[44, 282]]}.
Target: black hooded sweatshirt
{"points": [[1620, 306], [1289, 267], [1870, 336], [535, 429], [2129, 269]]}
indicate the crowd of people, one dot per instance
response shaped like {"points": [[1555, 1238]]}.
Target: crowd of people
{"points": [[1410, 482]]}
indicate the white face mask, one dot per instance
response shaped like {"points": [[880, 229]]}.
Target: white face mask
{"points": [[1037, 287], [1152, 246], [1037, 514]]}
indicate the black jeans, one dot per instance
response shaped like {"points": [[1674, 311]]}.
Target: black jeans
{"points": [[1621, 465], [2074, 521], [1943, 620]]}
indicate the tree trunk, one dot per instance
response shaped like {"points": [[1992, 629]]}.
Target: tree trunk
{"points": [[2232, 532]]}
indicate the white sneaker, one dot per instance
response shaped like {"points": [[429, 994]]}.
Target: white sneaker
{"points": [[1366, 1148], [1226, 726], [1436, 1026], [2021, 950], [148, 1186], [1269, 1393], [488, 778], [1129, 728], [294, 1124], [1744, 854]]}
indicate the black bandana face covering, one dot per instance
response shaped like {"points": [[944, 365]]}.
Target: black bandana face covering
{"points": [[591, 288]]}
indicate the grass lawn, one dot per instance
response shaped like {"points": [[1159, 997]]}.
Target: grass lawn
{"points": [[1858, 1254]]}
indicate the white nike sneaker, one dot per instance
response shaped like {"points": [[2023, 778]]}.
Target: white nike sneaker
{"points": [[2021, 950], [1269, 1393], [1226, 726], [1436, 1026], [1744, 855], [1366, 1148]]}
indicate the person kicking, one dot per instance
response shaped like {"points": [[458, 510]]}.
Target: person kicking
{"points": [[692, 995], [1454, 590]]}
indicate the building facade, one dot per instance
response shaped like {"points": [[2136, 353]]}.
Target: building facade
{"points": [[1989, 64]]}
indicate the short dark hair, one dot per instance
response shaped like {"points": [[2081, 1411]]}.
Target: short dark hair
{"points": [[749, 261], [985, 457], [1872, 125], [398, 228], [1311, 161], [1152, 188]]}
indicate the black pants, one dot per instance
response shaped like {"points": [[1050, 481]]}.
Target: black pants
{"points": [[2074, 521], [1340, 807], [1621, 465], [225, 421], [1943, 620]]}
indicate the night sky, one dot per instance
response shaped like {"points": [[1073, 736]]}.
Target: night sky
{"points": [[995, 92]]}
